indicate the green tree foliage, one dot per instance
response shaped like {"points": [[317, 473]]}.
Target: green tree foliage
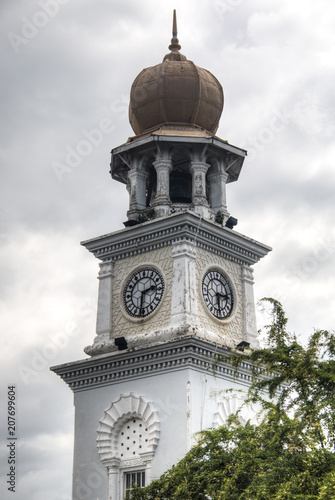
{"points": [[301, 380], [290, 455]]}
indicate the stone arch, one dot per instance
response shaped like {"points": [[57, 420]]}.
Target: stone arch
{"points": [[127, 407], [180, 176]]}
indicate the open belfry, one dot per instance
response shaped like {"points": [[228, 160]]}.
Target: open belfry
{"points": [[175, 290]]}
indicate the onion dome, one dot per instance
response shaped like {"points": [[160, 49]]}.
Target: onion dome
{"points": [[175, 91]]}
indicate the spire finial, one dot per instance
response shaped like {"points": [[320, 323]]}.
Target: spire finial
{"points": [[174, 26], [174, 40]]}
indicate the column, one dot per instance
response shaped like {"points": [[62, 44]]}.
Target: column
{"points": [[183, 302], [114, 479], [137, 189], [104, 313], [199, 198], [217, 181], [162, 200], [147, 459], [248, 307]]}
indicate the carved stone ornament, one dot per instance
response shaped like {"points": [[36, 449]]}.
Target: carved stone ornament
{"points": [[136, 462], [127, 407], [231, 405]]}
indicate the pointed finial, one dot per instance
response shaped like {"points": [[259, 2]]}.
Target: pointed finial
{"points": [[174, 40], [174, 55], [174, 26]]}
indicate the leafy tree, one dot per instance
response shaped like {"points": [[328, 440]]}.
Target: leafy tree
{"points": [[290, 455], [301, 380]]}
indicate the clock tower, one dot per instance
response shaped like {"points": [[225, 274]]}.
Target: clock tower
{"points": [[175, 290]]}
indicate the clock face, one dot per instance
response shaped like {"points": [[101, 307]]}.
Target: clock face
{"points": [[217, 294], [143, 292]]}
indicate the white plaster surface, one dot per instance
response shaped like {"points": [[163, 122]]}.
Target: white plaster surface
{"points": [[187, 401]]}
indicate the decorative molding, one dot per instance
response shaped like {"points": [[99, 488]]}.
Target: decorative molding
{"points": [[184, 226], [184, 249], [106, 270], [125, 408], [230, 406], [143, 175], [136, 462], [188, 353], [218, 176], [114, 463], [191, 140], [248, 275], [211, 332]]}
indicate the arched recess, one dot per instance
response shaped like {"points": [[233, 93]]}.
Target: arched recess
{"points": [[180, 177], [231, 405], [127, 407]]}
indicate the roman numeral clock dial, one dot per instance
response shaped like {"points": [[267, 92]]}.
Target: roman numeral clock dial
{"points": [[218, 294], [143, 292]]}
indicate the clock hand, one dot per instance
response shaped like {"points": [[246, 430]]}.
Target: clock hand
{"points": [[141, 304], [220, 295], [152, 287]]}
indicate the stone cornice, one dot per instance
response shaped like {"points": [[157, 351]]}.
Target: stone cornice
{"points": [[174, 136], [186, 354], [149, 145], [185, 226]]}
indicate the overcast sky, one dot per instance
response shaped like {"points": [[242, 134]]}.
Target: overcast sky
{"points": [[69, 65]]}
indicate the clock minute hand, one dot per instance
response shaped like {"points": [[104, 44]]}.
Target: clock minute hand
{"points": [[152, 287], [141, 304]]}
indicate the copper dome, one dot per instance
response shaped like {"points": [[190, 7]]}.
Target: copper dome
{"points": [[175, 91]]}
